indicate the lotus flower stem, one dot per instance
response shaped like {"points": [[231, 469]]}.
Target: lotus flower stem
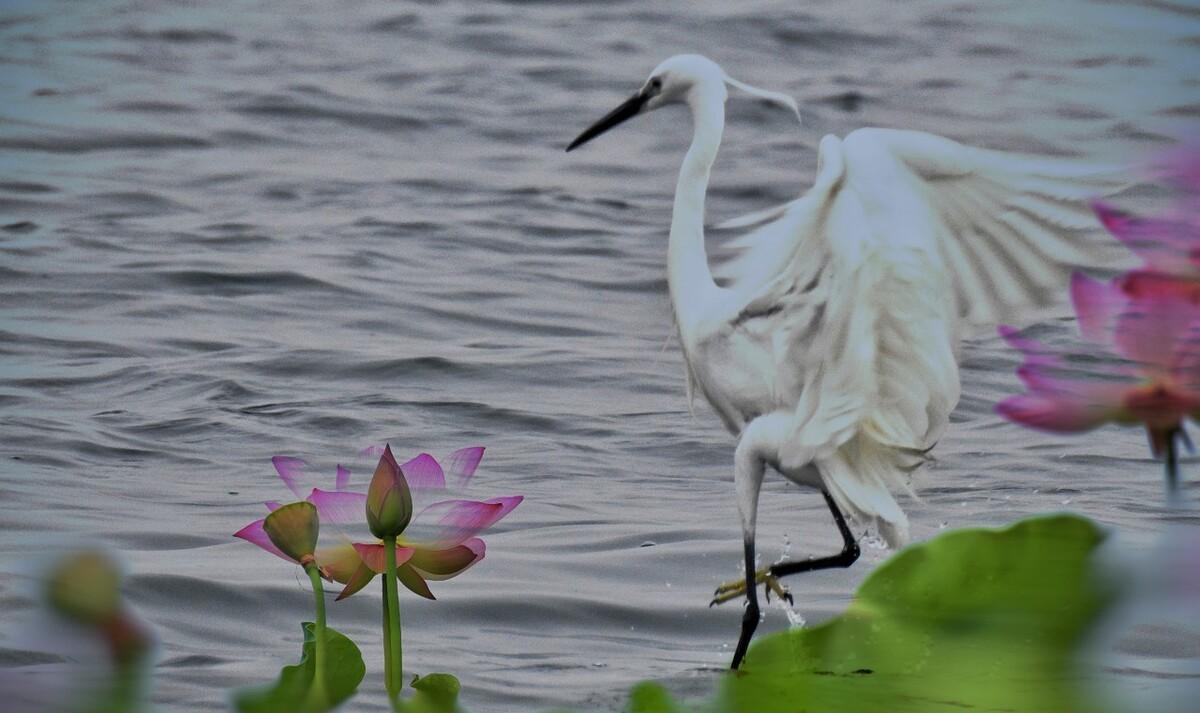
{"points": [[129, 678], [387, 635], [1171, 459], [395, 677], [317, 698]]}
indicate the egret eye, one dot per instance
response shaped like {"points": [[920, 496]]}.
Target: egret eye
{"points": [[656, 84]]}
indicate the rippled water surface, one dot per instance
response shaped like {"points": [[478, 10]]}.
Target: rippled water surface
{"points": [[238, 229]]}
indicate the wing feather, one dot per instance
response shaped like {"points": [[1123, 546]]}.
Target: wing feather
{"points": [[895, 222]]}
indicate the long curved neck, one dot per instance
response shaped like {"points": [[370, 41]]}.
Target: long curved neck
{"points": [[688, 275]]}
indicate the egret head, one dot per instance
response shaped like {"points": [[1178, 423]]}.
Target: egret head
{"points": [[678, 80]]}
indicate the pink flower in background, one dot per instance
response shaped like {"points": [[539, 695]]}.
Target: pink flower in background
{"points": [[1143, 365], [1143, 360], [1169, 245], [439, 542]]}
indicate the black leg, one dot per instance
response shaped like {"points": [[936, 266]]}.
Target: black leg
{"points": [[845, 558], [750, 616]]}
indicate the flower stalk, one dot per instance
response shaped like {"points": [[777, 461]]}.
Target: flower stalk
{"points": [[394, 667], [387, 635], [1171, 458], [317, 697]]}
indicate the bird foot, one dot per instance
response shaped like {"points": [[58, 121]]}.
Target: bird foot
{"points": [[737, 588]]}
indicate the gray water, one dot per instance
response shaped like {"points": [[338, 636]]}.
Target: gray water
{"points": [[239, 229]]}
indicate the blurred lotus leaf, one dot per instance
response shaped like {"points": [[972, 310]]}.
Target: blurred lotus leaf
{"points": [[971, 620], [980, 620]]}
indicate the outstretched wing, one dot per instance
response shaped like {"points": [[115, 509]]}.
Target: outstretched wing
{"points": [[1007, 228], [903, 236]]}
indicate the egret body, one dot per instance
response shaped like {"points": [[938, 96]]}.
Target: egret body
{"points": [[831, 349]]}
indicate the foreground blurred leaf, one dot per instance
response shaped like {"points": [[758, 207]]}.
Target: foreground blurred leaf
{"points": [[343, 672], [972, 620], [649, 697]]}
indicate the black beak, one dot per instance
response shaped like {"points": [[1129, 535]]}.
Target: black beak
{"points": [[630, 108]]}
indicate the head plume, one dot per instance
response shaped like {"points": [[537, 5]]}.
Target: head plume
{"points": [[778, 98]]}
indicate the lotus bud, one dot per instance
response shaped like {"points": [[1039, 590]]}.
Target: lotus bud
{"points": [[85, 587], [293, 529], [389, 501]]}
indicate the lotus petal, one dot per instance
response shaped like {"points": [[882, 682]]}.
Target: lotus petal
{"points": [[424, 472], [339, 562], [462, 463], [372, 451], [413, 581], [256, 535], [1035, 353], [1097, 306], [1181, 166], [342, 480], [374, 556], [339, 508], [290, 471], [361, 577], [1061, 413], [450, 522], [450, 562], [1148, 329], [1168, 244]]}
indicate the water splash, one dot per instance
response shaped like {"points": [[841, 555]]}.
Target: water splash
{"points": [[873, 542]]}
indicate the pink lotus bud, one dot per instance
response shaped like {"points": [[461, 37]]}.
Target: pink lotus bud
{"points": [[389, 501]]}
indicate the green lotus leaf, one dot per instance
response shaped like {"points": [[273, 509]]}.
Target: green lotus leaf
{"points": [[344, 670], [972, 620]]}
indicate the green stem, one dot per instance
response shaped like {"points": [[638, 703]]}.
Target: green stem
{"points": [[1172, 466], [387, 634], [125, 695], [395, 680], [316, 695]]}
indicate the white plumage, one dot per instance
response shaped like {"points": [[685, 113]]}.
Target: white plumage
{"points": [[831, 349], [850, 301]]}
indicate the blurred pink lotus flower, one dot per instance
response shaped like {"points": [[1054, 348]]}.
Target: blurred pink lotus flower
{"points": [[1169, 245], [1143, 326], [1148, 371], [437, 543]]}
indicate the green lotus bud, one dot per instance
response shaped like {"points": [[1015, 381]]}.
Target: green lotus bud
{"points": [[85, 587], [389, 501], [293, 529]]}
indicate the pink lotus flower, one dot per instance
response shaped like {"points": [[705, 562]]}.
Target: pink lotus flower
{"points": [[438, 543], [1168, 245], [1144, 326], [1149, 371]]}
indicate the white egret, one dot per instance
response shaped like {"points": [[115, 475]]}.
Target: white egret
{"points": [[831, 351]]}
